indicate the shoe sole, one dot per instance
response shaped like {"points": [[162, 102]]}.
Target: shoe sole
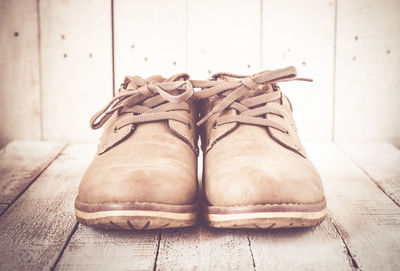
{"points": [[266, 216], [135, 216]]}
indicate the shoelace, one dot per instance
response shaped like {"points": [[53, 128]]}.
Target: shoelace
{"points": [[251, 109], [144, 102]]}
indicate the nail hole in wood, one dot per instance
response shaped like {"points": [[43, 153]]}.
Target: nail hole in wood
{"points": [[62, 37], [16, 34], [304, 63], [132, 46], [90, 55], [356, 37], [248, 66], [174, 63], [354, 58], [388, 51], [145, 59], [65, 55]]}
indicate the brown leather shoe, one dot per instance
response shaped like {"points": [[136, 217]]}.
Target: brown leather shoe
{"points": [[256, 172], [144, 173]]}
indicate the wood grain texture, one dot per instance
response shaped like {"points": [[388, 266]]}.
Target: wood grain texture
{"points": [[19, 71], [21, 162], [368, 61], [76, 63], [149, 38], [368, 220], [203, 248], [381, 161], [98, 249], [223, 35], [35, 228], [316, 248], [301, 33]]}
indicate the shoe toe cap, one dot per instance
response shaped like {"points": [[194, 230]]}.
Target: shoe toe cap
{"points": [[168, 183], [240, 181]]}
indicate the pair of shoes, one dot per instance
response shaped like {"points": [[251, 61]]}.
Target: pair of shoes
{"points": [[256, 173]]}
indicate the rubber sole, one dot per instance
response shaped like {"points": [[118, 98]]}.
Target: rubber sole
{"points": [[266, 216], [135, 216]]}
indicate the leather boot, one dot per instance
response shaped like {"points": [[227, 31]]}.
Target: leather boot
{"points": [[144, 175], [256, 171]]}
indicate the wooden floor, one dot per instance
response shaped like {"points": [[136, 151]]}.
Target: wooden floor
{"points": [[38, 230]]}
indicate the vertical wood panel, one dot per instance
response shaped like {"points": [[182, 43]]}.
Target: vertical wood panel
{"points": [[19, 71], [368, 62], [301, 33], [76, 65], [149, 38], [223, 35]]}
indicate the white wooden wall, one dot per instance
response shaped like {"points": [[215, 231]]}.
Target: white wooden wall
{"points": [[59, 59]]}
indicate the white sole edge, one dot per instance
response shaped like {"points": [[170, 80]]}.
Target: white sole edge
{"points": [[161, 214], [256, 215]]}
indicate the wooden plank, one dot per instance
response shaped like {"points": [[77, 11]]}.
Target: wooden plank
{"points": [[317, 248], [381, 161], [76, 62], [301, 33], [97, 249], [367, 81], [21, 162], [222, 38], [149, 38], [202, 248], [19, 76], [366, 218], [35, 228]]}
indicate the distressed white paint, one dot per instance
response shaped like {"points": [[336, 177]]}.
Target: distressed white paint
{"points": [[223, 35], [366, 218], [368, 63], [19, 71], [76, 65], [149, 38], [301, 33], [200, 37]]}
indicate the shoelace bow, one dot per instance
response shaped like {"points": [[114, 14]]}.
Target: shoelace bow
{"points": [[145, 103], [251, 109]]}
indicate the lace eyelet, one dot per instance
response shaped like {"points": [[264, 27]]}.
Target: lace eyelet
{"points": [[215, 126]]}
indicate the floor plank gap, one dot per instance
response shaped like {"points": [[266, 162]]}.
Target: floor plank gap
{"points": [[158, 250], [33, 180], [369, 175], [65, 245], [251, 253], [353, 263]]}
